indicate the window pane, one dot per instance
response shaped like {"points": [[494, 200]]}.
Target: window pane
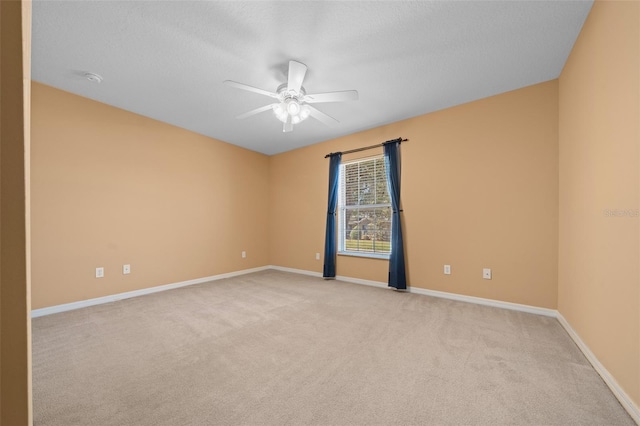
{"points": [[365, 183], [368, 230], [365, 210]]}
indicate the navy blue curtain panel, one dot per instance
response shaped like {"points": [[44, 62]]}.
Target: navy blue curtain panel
{"points": [[397, 274], [330, 249]]}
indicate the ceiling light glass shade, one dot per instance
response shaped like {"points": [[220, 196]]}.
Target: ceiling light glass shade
{"points": [[291, 108], [280, 110], [304, 112]]}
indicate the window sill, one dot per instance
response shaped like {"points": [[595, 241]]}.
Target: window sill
{"points": [[366, 255]]}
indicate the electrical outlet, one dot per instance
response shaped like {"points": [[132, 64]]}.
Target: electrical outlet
{"points": [[317, 256], [486, 273], [100, 272], [244, 254], [447, 269], [126, 269]]}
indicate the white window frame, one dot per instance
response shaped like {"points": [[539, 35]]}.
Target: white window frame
{"points": [[342, 216]]}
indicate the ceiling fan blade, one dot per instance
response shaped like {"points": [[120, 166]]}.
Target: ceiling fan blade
{"points": [[250, 88], [322, 117], [297, 72], [255, 111], [346, 95], [288, 126]]}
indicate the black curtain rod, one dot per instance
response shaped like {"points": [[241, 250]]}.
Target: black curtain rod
{"points": [[366, 147]]}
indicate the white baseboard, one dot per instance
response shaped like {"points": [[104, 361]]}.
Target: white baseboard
{"points": [[617, 391], [370, 283], [296, 271], [433, 293], [486, 302], [459, 297], [35, 313], [339, 277]]}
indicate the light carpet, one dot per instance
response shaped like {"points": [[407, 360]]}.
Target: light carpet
{"points": [[274, 348]]}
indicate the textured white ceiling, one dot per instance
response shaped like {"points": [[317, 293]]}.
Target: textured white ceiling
{"points": [[167, 59]]}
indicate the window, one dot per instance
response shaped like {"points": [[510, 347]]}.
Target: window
{"points": [[364, 209]]}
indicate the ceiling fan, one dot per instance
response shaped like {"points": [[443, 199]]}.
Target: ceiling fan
{"points": [[292, 106]]}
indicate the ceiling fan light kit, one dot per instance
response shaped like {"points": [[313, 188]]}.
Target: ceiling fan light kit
{"points": [[291, 107], [293, 102]]}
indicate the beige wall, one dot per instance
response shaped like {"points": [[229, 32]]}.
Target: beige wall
{"points": [[598, 254], [479, 189], [110, 188], [15, 326]]}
